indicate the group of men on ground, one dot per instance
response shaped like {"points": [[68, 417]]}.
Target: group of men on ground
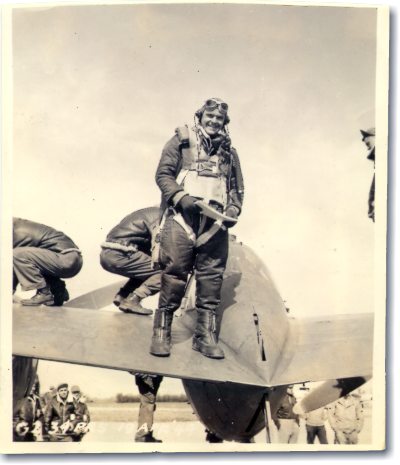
{"points": [[345, 417], [157, 249], [53, 417]]}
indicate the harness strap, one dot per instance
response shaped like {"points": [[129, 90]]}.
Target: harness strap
{"points": [[206, 236], [189, 231], [181, 176]]}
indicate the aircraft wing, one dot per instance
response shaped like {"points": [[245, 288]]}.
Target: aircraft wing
{"points": [[326, 348], [112, 339], [263, 346]]}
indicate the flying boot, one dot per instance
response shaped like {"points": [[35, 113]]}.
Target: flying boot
{"points": [[59, 291], [161, 340], [132, 305], [205, 336], [42, 296]]}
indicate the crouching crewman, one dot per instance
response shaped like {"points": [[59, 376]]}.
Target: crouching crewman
{"points": [[127, 252], [41, 256]]}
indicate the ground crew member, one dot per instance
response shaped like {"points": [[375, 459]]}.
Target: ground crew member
{"points": [[315, 425], [28, 420], [82, 415], [286, 421], [127, 252], [59, 413], [41, 256], [368, 137], [346, 418], [198, 163], [148, 386], [48, 395]]}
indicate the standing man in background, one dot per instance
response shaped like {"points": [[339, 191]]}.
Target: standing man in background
{"points": [[286, 421], [148, 386], [315, 425], [368, 137], [346, 418]]}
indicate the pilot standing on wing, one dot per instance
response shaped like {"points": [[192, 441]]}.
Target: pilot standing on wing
{"points": [[198, 163], [127, 252], [41, 256]]}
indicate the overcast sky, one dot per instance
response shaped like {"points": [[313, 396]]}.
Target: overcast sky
{"points": [[98, 90]]}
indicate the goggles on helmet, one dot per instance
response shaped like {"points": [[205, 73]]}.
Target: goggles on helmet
{"points": [[212, 104]]}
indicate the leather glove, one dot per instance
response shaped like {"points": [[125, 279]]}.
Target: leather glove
{"points": [[187, 205], [232, 212]]}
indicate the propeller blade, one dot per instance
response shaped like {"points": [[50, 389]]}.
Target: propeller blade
{"points": [[330, 391]]}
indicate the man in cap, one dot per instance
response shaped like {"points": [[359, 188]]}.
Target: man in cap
{"points": [[41, 256], [82, 416], [368, 137], [48, 395], [59, 413], [127, 252], [346, 418], [197, 164]]}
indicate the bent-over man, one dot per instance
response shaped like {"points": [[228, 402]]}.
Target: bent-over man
{"points": [[41, 257], [127, 252]]}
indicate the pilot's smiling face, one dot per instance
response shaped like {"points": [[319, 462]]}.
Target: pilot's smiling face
{"points": [[212, 121], [63, 393]]}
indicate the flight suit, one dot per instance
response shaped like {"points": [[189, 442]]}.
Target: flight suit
{"points": [[42, 255], [196, 166], [127, 252]]}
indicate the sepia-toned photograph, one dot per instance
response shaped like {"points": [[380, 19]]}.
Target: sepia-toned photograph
{"points": [[193, 227]]}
